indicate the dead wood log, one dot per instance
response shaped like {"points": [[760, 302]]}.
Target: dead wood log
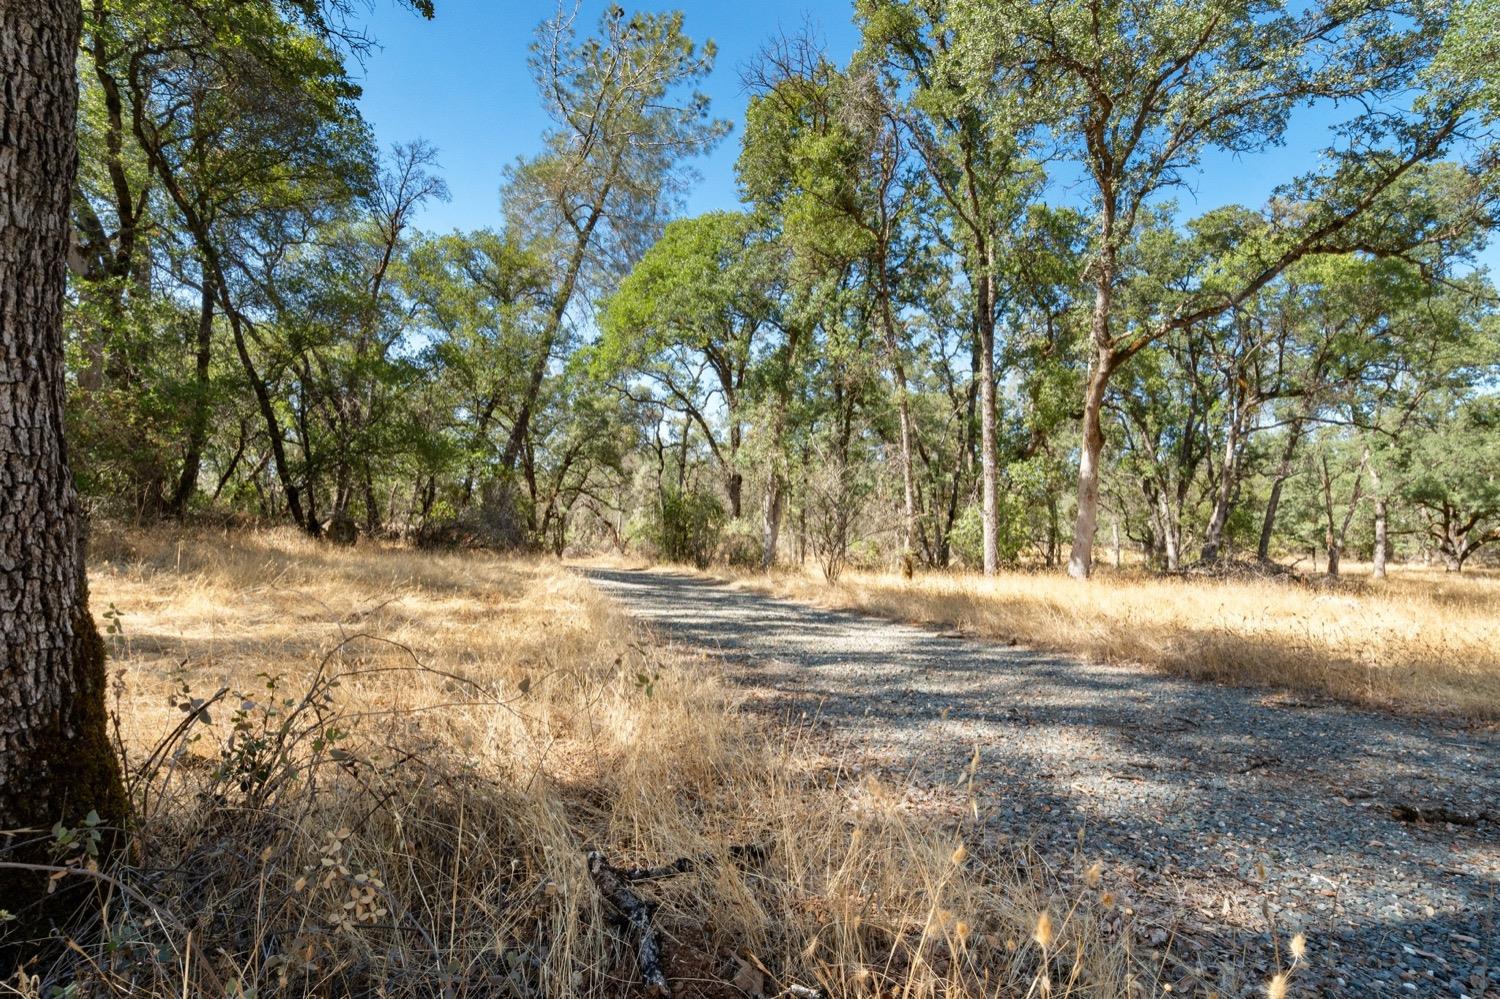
{"points": [[682, 865], [637, 912]]}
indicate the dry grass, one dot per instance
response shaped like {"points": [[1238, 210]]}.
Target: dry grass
{"points": [[376, 772], [1422, 640]]}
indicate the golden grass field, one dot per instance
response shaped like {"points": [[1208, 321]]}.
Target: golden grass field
{"points": [[1422, 640], [377, 771]]}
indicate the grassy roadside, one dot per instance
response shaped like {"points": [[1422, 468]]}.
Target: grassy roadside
{"points": [[377, 771], [1422, 641]]}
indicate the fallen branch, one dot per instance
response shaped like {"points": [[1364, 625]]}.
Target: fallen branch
{"points": [[614, 884], [637, 912], [682, 865]]}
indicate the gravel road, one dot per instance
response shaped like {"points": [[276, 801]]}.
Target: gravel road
{"points": [[1228, 818]]}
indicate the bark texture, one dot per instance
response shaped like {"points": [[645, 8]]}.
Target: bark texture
{"points": [[55, 758]]}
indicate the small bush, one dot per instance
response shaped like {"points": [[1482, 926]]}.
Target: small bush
{"points": [[687, 526], [967, 537], [740, 544]]}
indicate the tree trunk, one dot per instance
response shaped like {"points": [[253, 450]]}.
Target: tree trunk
{"points": [[1283, 472], [521, 428], [1382, 534], [1268, 525], [984, 318], [187, 482], [734, 487], [1169, 530], [903, 413], [771, 505], [1335, 534], [1382, 543], [1213, 537], [55, 759], [1081, 559]]}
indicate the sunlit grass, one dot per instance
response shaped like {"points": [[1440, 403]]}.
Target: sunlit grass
{"points": [[422, 828]]}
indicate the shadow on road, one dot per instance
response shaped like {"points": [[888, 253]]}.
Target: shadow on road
{"points": [[1222, 807]]}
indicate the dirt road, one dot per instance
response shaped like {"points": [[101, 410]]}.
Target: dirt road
{"points": [[1228, 818]]}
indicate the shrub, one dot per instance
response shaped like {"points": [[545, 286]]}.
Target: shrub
{"points": [[688, 524]]}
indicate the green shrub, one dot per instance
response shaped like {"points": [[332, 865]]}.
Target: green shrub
{"points": [[688, 524]]}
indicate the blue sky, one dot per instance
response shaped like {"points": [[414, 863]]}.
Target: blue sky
{"points": [[462, 83]]}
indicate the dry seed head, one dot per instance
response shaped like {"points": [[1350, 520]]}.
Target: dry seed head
{"points": [[961, 930], [1107, 899], [1043, 933], [1276, 987], [1093, 874], [959, 854], [1299, 946]]}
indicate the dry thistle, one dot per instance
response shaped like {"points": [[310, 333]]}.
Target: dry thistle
{"points": [[1043, 932]]}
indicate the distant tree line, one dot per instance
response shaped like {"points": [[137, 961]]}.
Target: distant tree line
{"points": [[959, 320]]}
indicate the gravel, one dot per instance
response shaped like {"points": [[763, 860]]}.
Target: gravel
{"points": [[1227, 819]]}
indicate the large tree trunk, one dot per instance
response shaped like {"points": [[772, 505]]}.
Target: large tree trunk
{"points": [[735, 487], [55, 759]]}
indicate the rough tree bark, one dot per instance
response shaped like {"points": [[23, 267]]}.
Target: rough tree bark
{"points": [[55, 758]]}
